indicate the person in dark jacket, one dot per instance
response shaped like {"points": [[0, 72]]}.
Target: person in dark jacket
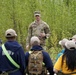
{"points": [[35, 42], [15, 51]]}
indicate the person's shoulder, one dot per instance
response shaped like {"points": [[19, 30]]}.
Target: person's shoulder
{"points": [[46, 56], [45, 53], [26, 53], [31, 24], [43, 22], [60, 57]]}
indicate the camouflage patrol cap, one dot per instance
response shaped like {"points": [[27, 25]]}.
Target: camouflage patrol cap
{"points": [[37, 13]]}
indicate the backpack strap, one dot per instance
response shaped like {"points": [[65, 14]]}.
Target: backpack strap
{"points": [[9, 57], [35, 51]]}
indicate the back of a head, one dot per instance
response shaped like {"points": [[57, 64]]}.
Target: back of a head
{"points": [[63, 41], [35, 41], [10, 33]]}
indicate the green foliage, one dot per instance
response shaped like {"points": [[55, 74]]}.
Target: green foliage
{"points": [[59, 14]]}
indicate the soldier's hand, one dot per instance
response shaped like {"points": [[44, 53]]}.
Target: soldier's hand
{"points": [[42, 34]]}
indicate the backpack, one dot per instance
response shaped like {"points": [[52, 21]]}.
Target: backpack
{"points": [[35, 64]]}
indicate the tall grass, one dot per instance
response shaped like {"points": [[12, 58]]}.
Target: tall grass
{"points": [[59, 14]]}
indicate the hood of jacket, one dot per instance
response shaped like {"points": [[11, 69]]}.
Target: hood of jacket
{"points": [[12, 45], [37, 47]]}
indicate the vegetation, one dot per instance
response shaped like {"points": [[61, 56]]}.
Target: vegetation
{"points": [[59, 14]]}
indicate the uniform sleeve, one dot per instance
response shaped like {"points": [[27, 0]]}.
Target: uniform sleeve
{"points": [[58, 63], [47, 30]]}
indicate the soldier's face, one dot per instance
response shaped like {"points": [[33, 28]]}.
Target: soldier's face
{"points": [[37, 17]]}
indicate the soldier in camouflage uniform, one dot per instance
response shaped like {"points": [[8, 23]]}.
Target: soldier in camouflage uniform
{"points": [[38, 28]]}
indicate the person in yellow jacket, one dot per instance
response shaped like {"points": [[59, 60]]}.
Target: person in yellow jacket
{"points": [[66, 63]]}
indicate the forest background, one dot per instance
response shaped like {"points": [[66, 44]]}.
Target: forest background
{"points": [[60, 15]]}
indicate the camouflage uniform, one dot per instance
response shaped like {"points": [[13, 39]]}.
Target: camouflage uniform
{"points": [[35, 29]]}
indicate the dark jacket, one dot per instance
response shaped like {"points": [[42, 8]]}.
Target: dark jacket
{"points": [[46, 58], [17, 53]]}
